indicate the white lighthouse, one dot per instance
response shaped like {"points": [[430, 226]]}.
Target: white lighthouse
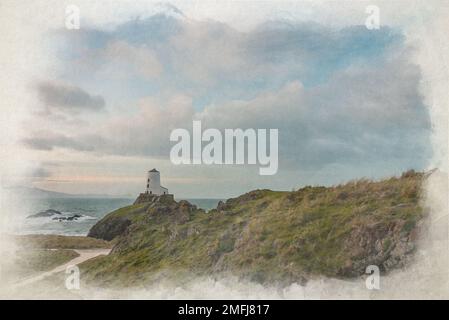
{"points": [[154, 183]]}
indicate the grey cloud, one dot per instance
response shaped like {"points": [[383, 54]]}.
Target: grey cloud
{"points": [[146, 133], [368, 115], [40, 173], [68, 97], [49, 141]]}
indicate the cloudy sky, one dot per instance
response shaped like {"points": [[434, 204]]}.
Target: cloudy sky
{"points": [[346, 100]]}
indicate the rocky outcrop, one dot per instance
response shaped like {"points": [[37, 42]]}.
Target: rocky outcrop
{"points": [[150, 198], [110, 228], [69, 218], [57, 215], [46, 213], [154, 210], [387, 246]]}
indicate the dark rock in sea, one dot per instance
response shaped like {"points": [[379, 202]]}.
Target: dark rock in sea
{"points": [[46, 213], [71, 218]]}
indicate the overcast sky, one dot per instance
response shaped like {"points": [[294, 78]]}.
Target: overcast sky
{"points": [[345, 99]]}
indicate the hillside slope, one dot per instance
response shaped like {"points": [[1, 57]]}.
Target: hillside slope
{"points": [[265, 236]]}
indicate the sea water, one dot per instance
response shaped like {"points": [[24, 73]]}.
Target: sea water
{"points": [[91, 211]]}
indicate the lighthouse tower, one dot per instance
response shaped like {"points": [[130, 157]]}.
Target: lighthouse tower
{"points": [[154, 183]]}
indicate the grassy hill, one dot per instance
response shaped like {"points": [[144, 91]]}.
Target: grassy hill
{"points": [[265, 236]]}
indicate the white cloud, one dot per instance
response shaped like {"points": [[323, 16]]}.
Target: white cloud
{"points": [[121, 59]]}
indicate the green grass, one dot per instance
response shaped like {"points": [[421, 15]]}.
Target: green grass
{"points": [[266, 236], [31, 261], [39, 253], [60, 242]]}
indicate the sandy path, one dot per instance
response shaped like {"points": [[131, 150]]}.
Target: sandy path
{"points": [[84, 255]]}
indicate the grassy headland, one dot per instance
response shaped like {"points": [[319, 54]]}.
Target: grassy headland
{"points": [[264, 235]]}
